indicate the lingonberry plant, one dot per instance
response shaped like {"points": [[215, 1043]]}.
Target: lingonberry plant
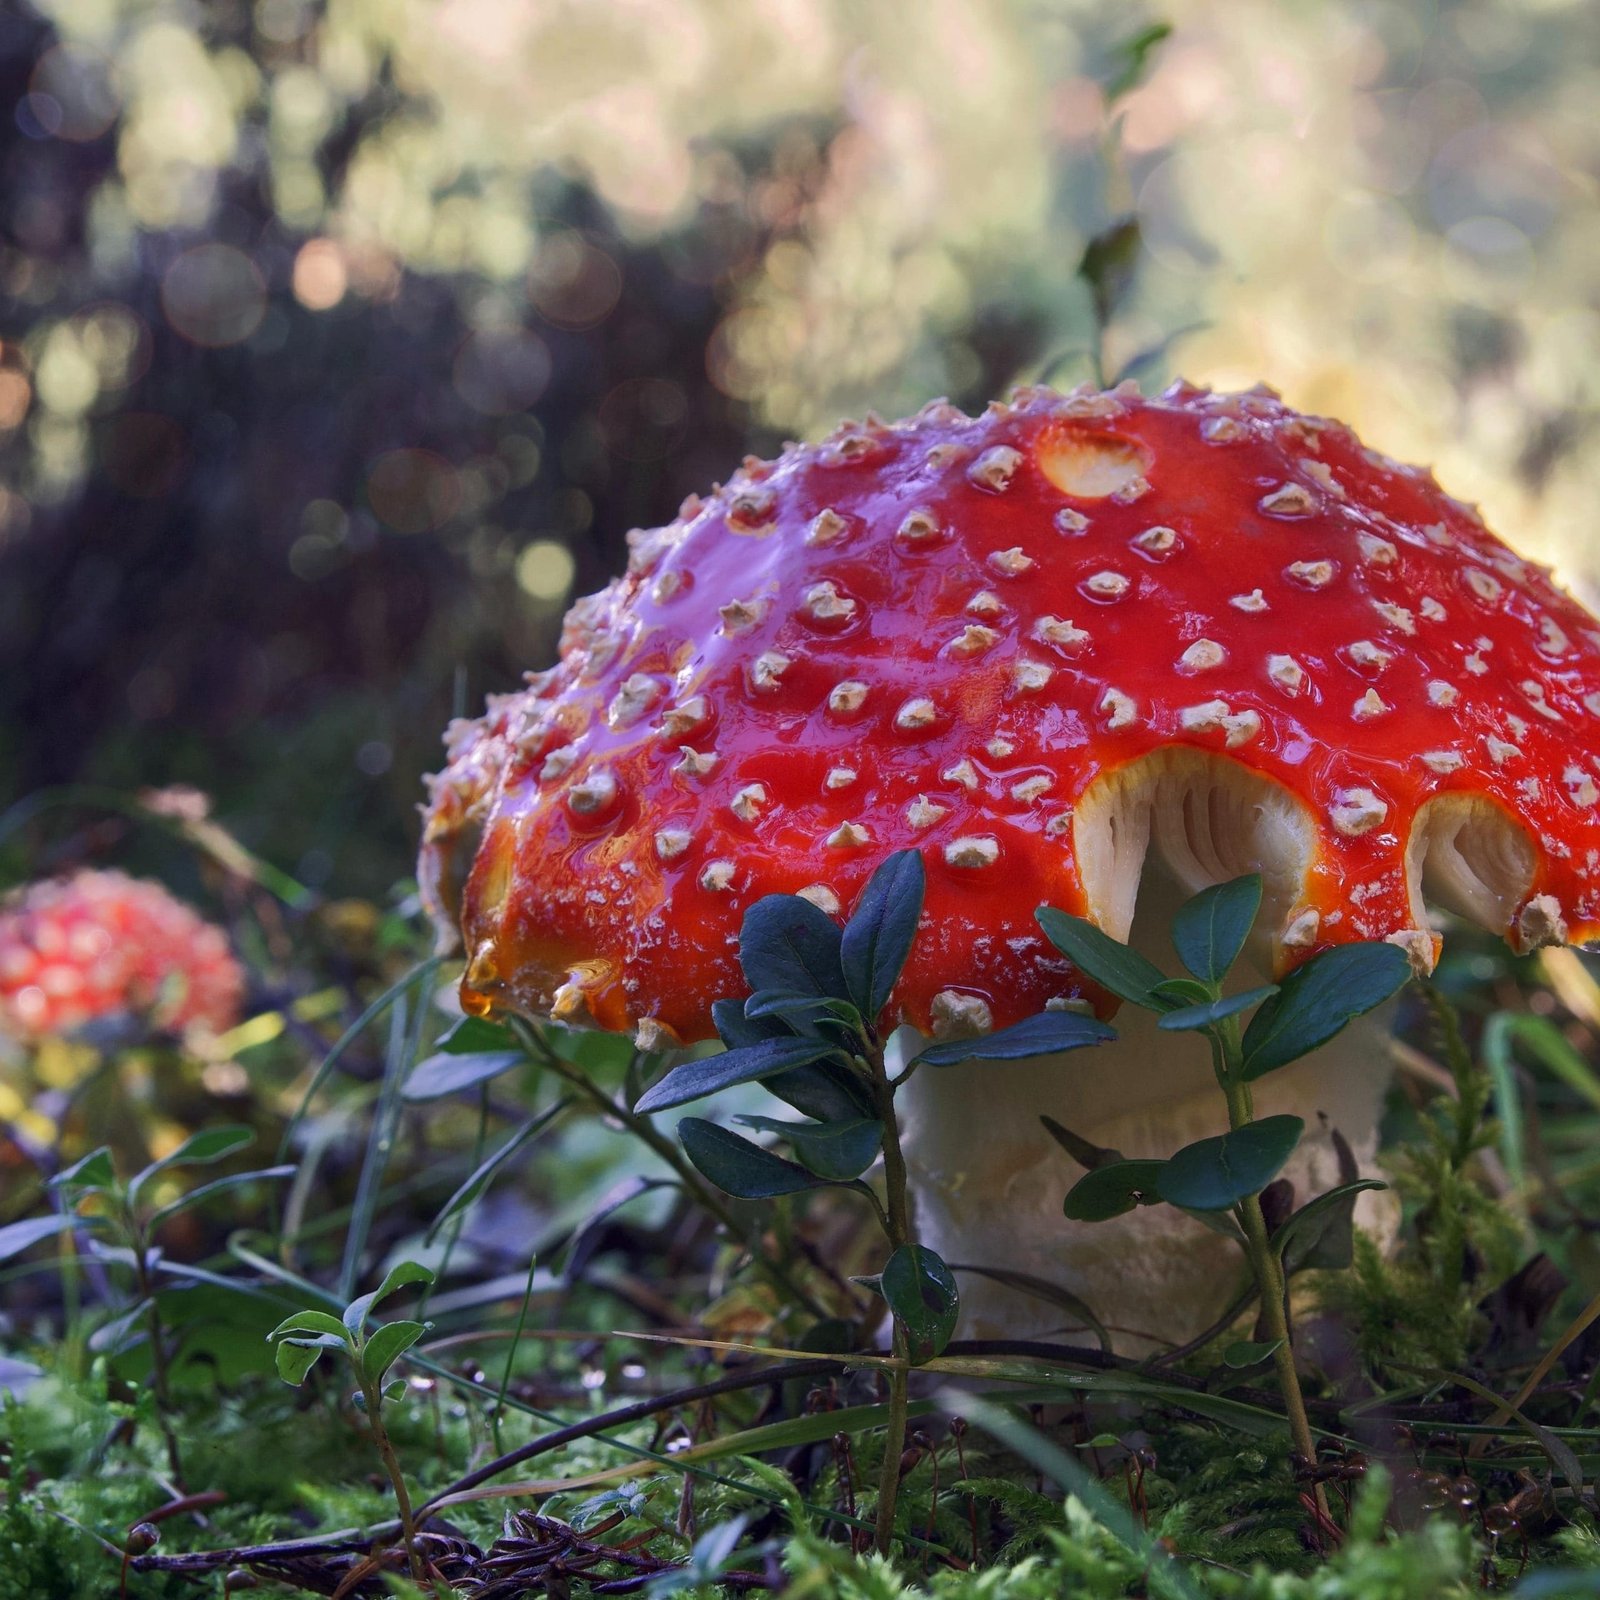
{"points": [[300, 1341], [1223, 1177], [812, 1033]]}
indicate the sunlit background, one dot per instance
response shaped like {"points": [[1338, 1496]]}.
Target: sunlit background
{"points": [[344, 341]]}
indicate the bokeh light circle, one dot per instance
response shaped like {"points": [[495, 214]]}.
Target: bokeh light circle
{"points": [[501, 370], [413, 491], [214, 295]]}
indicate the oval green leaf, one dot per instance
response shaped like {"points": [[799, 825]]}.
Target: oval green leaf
{"points": [[1098, 956], [1189, 1018], [1209, 931], [447, 1073], [1315, 1002], [692, 1080], [1215, 1174], [787, 943], [1042, 1035], [739, 1167], [1113, 1189], [922, 1294], [837, 1151], [881, 930]]}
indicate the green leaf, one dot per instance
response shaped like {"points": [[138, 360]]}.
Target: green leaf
{"points": [[1209, 931], [1109, 1191], [198, 1150], [1245, 1353], [20, 1236], [234, 1180], [398, 1276], [1108, 264], [1085, 1154], [386, 1345], [881, 931], [1183, 992], [1190, 1018], [93, 1171], [309, 1322], [738, 1031], [805, 1013], [1132, 58], [1041, 1289], [1215, 1174], [789, 944], [296, 1357], [1322, 1232], [692, 1080], [739, 1167], [1041, 1035], [829, 1091], [1315, 1002], [1098, 956], [482, 1175], [477, 1036], [922, 1294], [448, 1072], [837, 1151]]}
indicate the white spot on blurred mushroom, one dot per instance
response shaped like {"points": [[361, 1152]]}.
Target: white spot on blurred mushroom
{"points": [[1071, 522], [1541, 923], [923, 812], [1254, 601], [920, 526], [848, 696], [1136, 488], [751, 511], [672, 842], [1156, 542], [1028, 677], [1030, 789], [1396, 616], [1000, 748], [847, 836], [1552, 638], [1105, 585], [1202, 656], [995, 468], [827, 527], [1321, 474], [747, 803], [559, 763], [1444, 762], [1221, 430], [667, 585], [822, 897], [1500, 750], [1289, 500], [985, 603], [766, 670], [717, 876], [1591, 704], [1421, 949], [1302, 928], [1060, 632], [637, 694], [839, 778], [650, 1036], [972, 850], [1483, 584], [973, 640], [822, 602], [1370, 707], [694, 763], [1310, 574], [739, 616], [1287, 673], [918, 712], [1580, 786], [1119, 709], [1357, 811], [1010, 563], [1380, 552], [1442, 694], [1533, 691], [681, 719], [964, 773], [1364, 653], [1476, 665], [953, 1015], [597, 790]]}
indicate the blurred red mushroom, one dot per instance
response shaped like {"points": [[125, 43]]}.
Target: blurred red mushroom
{"points": [[99, 944], [1095, 651]]}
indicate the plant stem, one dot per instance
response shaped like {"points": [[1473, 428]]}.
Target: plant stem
{"points": [[900, 1232], [157, 1335], [644, 1130], [1268, 1271], [397, 1479]]}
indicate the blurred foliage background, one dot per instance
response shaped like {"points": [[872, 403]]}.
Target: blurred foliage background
{"points": [[344, 340]]}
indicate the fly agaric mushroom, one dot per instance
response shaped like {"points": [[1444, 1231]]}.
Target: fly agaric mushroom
{"points": [[100, 943], [1048, 647]]}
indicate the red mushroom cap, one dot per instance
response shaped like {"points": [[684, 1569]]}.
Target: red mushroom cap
{"points": [[97, 943], [994, 639]]}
